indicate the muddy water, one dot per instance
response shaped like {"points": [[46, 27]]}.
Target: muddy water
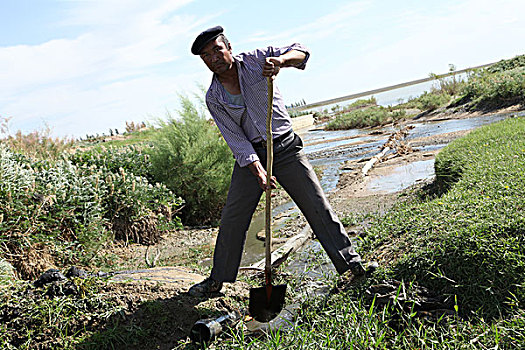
{"points": [[403, 177], [329, 150]]}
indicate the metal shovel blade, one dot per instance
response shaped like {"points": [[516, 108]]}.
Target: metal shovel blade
{"points": [[266, 302]]}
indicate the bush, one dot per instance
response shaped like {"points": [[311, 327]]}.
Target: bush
{"points": [[369, 117], [130, 158], [191, 157], [362, 103], [504, 65], [432, 101], [501, 88], [429, 101], [58, 213]]}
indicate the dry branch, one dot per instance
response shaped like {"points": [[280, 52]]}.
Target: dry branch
{"points": [[393, 142]]}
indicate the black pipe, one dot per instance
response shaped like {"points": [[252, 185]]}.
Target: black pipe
{"points": [[204, 331]]}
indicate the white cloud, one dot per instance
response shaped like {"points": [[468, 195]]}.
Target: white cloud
{"points": [[132, 57], [466, 34], [338, 21], [102, 71]]}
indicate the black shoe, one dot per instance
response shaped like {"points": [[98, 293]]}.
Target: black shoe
{"points": [[357, 269], [205, 287]]}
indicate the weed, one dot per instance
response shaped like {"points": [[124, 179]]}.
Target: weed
{"points": [[61, 213]]}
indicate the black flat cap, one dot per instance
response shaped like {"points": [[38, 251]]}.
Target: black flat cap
{"points": [[204, 38]]}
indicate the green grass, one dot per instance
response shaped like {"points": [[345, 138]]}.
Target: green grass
{"points": [[341, 322], [469, 241], [31, 320]]}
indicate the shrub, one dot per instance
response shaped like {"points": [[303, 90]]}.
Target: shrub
{"points": [[504, 65], [136, 206], [42, 218], [428, 101], [57, 213], [431, 101], [372, 116], [191, 157], [501, 88], [362, 103], [131, 158]]}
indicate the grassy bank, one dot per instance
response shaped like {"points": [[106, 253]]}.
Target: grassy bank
{"points": [[462, 239], [466, 239]]}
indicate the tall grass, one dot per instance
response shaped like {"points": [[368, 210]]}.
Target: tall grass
{"points": [[190, 156], [37, 144]]}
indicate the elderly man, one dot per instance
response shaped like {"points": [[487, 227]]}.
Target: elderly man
{"points": [[237, 100]]}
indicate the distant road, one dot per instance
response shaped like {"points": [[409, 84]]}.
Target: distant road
{"points": [[388, 88]]}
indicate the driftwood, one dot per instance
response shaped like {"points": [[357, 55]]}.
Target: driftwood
{"points": [[393, 142], [281, 254]]}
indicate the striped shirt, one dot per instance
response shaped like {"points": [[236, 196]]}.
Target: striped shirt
{"points": [[241, 125]]}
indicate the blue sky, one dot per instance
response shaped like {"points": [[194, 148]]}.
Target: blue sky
{"points": [[84, 66]]}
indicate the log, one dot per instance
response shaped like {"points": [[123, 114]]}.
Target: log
{"points": [[280, 255], [390, 144], [374, 160]]}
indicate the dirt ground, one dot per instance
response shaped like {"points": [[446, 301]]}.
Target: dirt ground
{"points": [[193, 247]]}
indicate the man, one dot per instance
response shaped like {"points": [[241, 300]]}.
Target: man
{"points": [[237, 100]]}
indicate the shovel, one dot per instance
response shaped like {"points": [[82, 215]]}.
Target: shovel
{"points": [[266, 302]]}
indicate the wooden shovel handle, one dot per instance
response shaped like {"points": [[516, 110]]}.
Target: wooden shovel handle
{"points": [[269, 165]]}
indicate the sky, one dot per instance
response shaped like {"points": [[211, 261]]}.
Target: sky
{"points": [[82, 67]]}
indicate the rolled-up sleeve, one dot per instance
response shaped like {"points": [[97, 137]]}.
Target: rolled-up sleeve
{"points": [[271, 51], [233, 134], [296, 46]]}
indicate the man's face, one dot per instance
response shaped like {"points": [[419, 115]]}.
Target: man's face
{"points": [[217, 56]]}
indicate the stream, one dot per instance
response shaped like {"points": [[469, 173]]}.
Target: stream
{"points": [[329, 150]]}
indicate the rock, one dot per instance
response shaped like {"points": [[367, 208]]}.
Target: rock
{"points": [[7, 271], [61, 289], [51, 275], [75, 272]]}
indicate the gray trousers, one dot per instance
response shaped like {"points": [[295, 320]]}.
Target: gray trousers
{"points": [[295, 174]]}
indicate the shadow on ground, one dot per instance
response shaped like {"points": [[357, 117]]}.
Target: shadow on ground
{"points": [[162, 323]]}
